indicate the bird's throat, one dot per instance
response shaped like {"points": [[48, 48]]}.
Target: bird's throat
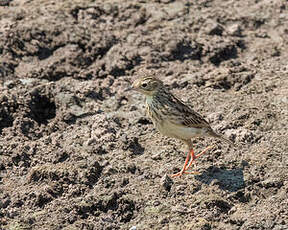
{"points": [[149, 100]]}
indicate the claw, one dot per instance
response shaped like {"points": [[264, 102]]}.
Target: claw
{"points": [[193, 157]]}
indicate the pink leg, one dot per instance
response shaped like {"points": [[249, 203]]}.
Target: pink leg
{"points": [[184, 167], [194, 157]]}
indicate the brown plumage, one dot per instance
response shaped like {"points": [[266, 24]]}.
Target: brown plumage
{"points": [[174, 118]]}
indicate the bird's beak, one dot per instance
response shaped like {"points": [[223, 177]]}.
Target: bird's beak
{"points": [[134, 86], [130, 88]]}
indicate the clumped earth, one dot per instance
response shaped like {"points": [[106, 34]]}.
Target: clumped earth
{"points": [[76, 150]]}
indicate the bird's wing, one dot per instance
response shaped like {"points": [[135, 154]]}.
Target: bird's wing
{"points": [[186, 116]]}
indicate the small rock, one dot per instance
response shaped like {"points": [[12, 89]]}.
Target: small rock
{"points": [[156, 203], [77, 110], [213, 28], [156, 156], [9, 84], [167, 182], [29, 81], [234, 30]]}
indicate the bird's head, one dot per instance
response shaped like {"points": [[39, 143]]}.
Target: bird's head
{"points": [[148, 86]]}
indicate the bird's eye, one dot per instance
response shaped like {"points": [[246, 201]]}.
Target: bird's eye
{"points": [[144, 85]]}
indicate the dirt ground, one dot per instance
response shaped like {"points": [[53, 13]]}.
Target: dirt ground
{"points": [[76, 149]]}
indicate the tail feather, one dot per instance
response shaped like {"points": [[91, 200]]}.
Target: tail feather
{"points": [[214, 134]]}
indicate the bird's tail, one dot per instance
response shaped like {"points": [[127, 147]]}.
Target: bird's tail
{"points": [[214, 134]]}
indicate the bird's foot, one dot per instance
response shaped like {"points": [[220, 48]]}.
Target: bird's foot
{"points": [[184, 172], [194, 157]]}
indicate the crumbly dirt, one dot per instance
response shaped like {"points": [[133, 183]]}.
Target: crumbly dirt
{"points": [[76, 149]]}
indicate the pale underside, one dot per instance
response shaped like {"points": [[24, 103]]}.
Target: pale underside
{"points": [[180, 132]]}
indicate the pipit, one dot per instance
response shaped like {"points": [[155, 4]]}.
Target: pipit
{"points": [[174, 118]]}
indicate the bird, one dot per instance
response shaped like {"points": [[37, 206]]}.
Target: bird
{"points": [[174, 118]]}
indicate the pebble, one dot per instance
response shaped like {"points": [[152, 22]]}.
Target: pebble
{"points": [[167, 182]]}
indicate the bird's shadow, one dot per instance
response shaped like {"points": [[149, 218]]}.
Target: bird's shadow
{"points": [[230, 180]]}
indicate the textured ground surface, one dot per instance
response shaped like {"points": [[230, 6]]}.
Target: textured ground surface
{"points": [[76, 150]]}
